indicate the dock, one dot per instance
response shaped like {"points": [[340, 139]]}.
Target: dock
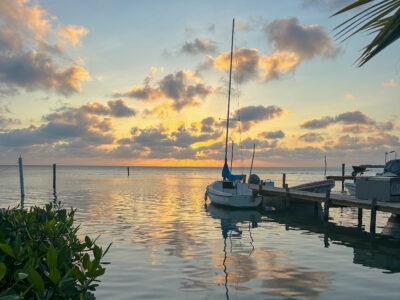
{"points": [[286, 195]]}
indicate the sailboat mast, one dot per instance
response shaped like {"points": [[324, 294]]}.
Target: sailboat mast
{"points": [[229, 95]]}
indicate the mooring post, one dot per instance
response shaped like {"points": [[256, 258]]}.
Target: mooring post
{"points": [[21, 181], [128, 170], [283, 180], [326, 204], [316, 208], [343, 167], [54, 178], [372, 224], [286, 204], [360, 216]]}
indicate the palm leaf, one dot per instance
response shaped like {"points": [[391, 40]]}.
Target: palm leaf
{"points": [[381, 19]]}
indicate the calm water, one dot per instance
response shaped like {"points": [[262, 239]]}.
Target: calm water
{"points": [[168, 245]]}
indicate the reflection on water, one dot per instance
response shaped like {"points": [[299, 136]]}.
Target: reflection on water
{"points": [[242, 262], [167, 246]]}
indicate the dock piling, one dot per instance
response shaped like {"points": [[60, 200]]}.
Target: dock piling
{"points": [[343, 169], [54, 178], [21, 181], [326, 205], [360, 216], [283, 180], [372, 224]]}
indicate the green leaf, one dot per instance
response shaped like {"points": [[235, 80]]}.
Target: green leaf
{"points": [[7, 249], [3, 270], [52, 258], [36, 280], [88, 242], [8, 294], [55, 276], [97, 252]]}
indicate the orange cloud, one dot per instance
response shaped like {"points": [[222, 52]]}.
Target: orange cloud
{"points": [[72, 33], [278, 64]]}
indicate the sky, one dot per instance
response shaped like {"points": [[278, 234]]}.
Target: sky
{"points": [[145, 83]]}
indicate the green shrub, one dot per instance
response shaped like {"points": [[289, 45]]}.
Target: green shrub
{"points": [[41, 256]]}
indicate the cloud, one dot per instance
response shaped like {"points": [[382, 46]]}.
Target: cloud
{"points": [[199, 46], [353, 117], [72, 33], [252, 115], [278, 63], [390, 84], [32, 50], [350, 96], [272, 134], [6, 122], [376, 141], [89, 125], [311, 137], [184, 88], [246, 63], [305, 41], [120, 109]]}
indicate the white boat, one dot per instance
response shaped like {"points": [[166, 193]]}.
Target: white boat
{"points": [[351, 188], [231, 191]]}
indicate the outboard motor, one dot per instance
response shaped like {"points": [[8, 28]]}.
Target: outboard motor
{"points": [[254, 179]]}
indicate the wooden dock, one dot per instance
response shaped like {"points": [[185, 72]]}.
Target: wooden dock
{"points": [[329, 199]]}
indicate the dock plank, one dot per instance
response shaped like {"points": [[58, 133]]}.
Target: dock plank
{"points": [[335, 199]]}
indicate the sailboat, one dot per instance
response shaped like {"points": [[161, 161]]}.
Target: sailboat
{"points": [[232, 191]]}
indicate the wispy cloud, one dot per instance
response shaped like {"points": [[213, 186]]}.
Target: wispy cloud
{"points": [[353, 117], [390, 84], [199, 46]]}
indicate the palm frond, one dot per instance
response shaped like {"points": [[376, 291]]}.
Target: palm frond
{"points": [[381, 19]]}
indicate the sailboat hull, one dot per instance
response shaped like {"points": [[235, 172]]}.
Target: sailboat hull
{"points": [[235, 195]]}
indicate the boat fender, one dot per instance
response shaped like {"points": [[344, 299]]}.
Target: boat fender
{"points": [[254, 193]]}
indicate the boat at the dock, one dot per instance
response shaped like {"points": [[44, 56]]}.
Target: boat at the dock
{"points": [[378, 185], [321, 186], [232, 191]]}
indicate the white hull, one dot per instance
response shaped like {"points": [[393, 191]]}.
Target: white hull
{"points": [[351, 188], [237, 196]]}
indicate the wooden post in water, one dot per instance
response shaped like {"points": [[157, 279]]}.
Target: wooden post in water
{"points": [[286, 196], [283, 180], [343, 167], [21, 181], [360, 215], [54, 178], [128, 170], [372, 224], [326, 204]]}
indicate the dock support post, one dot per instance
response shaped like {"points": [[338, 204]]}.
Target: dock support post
{"points": [[54, 178], [372, 224], [54, 184], [326, 204], [283, 180], [343, 168], [360, 216], [286, 204], [316, 208], [21, 181]]}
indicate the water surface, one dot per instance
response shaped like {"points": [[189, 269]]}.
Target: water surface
{"points": [[167, 244]]}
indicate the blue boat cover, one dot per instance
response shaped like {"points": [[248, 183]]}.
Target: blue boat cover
{"points": [[227, 174]]}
